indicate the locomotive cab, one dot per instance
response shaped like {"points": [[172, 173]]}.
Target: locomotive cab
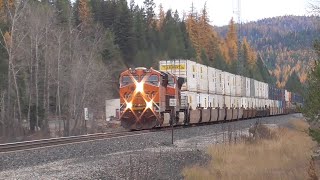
{"points": [[142, 98]]}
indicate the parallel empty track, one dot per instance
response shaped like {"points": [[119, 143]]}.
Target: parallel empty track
{"points": [[25, 145]]}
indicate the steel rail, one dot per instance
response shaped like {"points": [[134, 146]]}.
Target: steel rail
{"points": [[26, 145]]}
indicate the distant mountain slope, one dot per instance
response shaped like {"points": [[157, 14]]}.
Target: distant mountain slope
{"points": [[284, 43]]}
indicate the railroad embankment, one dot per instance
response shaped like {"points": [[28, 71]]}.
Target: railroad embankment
{"points": [[268, 153]]}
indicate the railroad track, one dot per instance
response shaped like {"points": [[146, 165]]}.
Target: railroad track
{"points": [[26, 145]]}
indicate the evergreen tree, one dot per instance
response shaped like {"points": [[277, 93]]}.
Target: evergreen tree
{"points": [[293, 84], [63, 8], [84, 10], [232, 41], [262, 69], [312, 101], [149, 6], [123, 30], [161, 18]]}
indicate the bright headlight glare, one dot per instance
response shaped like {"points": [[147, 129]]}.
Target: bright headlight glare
{"points": [[129, 105], [149, 105], [139, 87]]}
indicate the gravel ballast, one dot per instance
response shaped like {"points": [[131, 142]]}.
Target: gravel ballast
{"points": [[147, 156]]}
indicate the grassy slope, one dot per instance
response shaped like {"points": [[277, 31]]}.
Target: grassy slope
{"points": [[286, 155]]}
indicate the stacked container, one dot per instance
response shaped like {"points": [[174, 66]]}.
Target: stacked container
{"points": [[227, 83], [239, 86], [243, 86], [220, 101], [202, 83], [182, 68], [220, 82], [227, 101], [248, 87], [244, 102], [266, 92], [203, 100], [212, 80], [252, 88], [192, 98], [209, 87], [232, 84]]}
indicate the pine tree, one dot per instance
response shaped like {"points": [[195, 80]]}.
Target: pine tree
{"points": [[312, 101], [293, 84], [248, 53], [161, 17], [193, 30], [63, 11], [232, 41], [123, 29], [149, 6], [85, 16]]}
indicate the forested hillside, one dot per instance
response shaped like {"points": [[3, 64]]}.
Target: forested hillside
{"points": [[56, 58], [284, 43]]}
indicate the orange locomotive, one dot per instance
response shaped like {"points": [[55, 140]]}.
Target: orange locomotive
{"points": [[144, 97]]}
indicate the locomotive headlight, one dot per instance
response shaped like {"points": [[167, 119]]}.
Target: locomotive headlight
{"points": [[149, 105], [129, 105], [139, 87]]}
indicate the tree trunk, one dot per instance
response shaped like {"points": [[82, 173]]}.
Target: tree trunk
{"points": [[58, 77], [18, 99], [2, 115], [37, 81], [8, 111]]}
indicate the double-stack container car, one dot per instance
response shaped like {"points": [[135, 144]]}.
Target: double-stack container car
{"points": [[186, 92]]}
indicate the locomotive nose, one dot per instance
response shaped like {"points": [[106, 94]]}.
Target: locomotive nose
{"points": [[135, 120]]}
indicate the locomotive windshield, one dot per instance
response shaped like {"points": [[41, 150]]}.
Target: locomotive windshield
{"points": [[125, 80], [153, 79], [171, 81]]}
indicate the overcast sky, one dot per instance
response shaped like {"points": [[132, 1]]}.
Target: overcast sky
{"points": [[221, 11]]}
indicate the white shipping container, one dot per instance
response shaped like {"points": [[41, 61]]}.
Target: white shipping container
{"points": [[233, 84], [236, 102], [263, 103], [258, 103], [261, 90], [182, 68], [219, 101], [256, 88], [211, 100], [269, 103], [254, 102], [242, 86], [227, 101], [248, 87], [192, 98], [212, 80], [220, 82], [244, 102], [227, 83], [250, 102], [203, 100], [266, 91], [286, 95], [202, 83]]}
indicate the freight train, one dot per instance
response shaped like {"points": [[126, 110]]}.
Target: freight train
{"points": [[183, 92]]}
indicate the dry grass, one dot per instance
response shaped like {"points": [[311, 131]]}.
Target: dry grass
{"points": [[300, 125], [285, 156]]}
